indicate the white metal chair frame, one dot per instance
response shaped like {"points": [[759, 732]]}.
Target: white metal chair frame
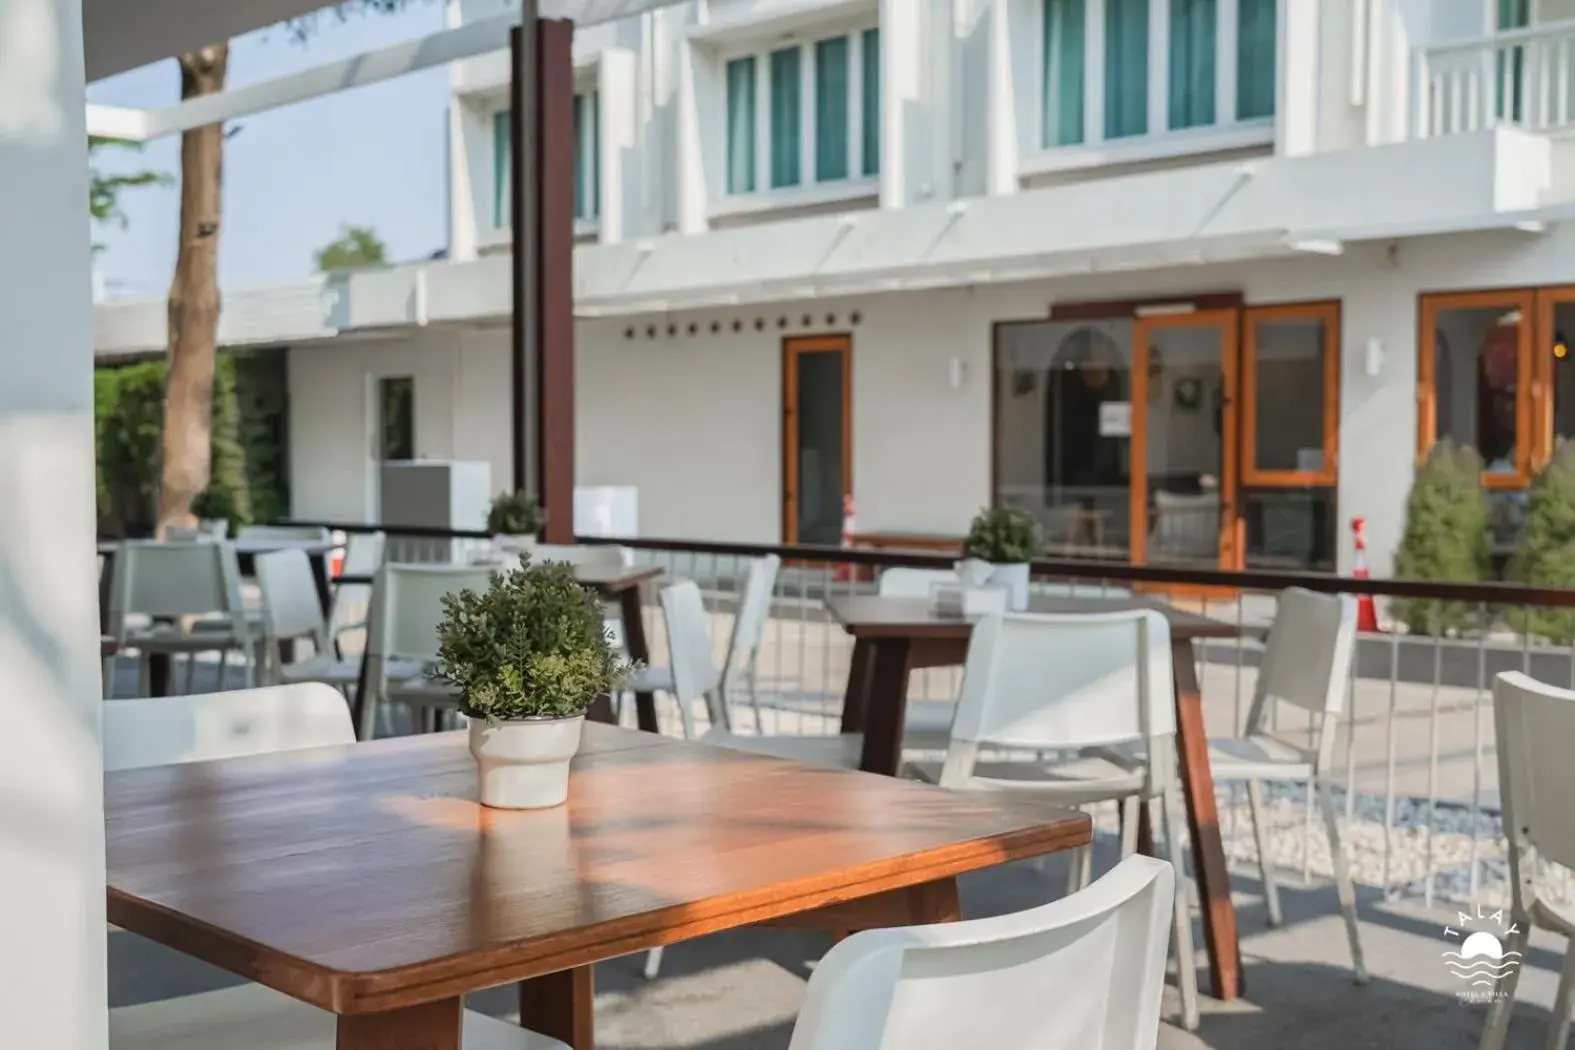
{"points": [[292, 611], [352, 602], [1534, 724], [983, 982], [1087, 684]]}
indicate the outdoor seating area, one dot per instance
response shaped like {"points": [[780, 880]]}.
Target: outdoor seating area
{"points": [[1030, 764]]}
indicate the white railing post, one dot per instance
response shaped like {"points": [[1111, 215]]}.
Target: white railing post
{"points": [[1421, 96]]}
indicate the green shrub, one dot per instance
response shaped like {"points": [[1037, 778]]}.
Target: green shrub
{"points": [[533, 645], [262, 392], [1545, 555], [514, 514], [1445, 539], [1004, 535]]}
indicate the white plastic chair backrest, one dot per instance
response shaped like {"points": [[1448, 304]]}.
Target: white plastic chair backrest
{"points": [[363, 557], [290, 604], [912, 583], [1535, 724], [194, 578], [204, 530], [1307, 660], [598, 555], [309, 533], [409, 606], [165, 730], [695, 674], [754, 605], [1065, 681], [983, 982]]}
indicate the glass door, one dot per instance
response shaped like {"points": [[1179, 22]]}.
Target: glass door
{"points": [[1184, 441], [817, 449]]}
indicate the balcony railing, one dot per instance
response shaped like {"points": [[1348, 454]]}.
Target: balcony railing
{"points": [[1416, 773], [1519, 77]]}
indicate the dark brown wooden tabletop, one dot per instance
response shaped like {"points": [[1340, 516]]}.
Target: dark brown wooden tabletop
{"points": [[613, 580], [872, 616], [366, 878]]}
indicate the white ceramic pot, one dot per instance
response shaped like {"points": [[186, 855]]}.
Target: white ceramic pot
{"points": [[524, 764], [1014, 577]]}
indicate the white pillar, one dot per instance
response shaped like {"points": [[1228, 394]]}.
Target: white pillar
{"points": [[619, 187], [699, 131], [1296, 107], [1001, 163], [52, 933]]}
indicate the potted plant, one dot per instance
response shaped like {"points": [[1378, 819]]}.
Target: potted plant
{"points": [[1007, 539], [528, 656], [514, 520]]}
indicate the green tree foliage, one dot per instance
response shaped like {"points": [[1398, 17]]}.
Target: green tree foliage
{"points": [[1446, 537], [128, 409], [356, 248], [104, 189], [1545, 555]]}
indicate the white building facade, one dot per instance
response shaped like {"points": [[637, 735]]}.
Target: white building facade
{"points": [[1194, 281]]}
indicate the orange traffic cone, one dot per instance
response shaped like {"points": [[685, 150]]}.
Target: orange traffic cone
{"points": [[1366, 611], [845, 570]]}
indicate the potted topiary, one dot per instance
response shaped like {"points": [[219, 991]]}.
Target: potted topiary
{"points": [[514, 520], [1007, 539], [528, 656]]}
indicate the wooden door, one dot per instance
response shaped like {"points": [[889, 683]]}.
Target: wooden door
{"points": [[817, 437]]}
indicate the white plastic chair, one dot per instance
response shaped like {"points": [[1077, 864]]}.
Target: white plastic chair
{"points": [[402, 640], [306, 533], [743, 647], [172, 730], [1082, 973], [166, 730], [167, 581], [363, 557], [1306, 663], [1534, 724], [292, 611], [1085, 684]]}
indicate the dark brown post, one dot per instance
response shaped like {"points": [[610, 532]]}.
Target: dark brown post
{"points": [[554, 402], [522, 221]]}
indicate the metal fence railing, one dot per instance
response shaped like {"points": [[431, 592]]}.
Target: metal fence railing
{"points": [[1416, 771]]}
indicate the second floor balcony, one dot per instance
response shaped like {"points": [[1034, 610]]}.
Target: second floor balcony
{"points": [[1522, 76]]}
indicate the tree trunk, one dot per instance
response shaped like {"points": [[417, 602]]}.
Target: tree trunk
{"points": [[194, 298]]}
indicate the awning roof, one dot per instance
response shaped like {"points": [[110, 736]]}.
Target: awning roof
{"points": [[118, 35]]}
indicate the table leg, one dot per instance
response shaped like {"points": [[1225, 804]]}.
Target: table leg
{"points": [[559, 1006], [1203, 822], [634, 640], [106, 576], [886, 705], [429, 1026], [856, 697], [325, 587], [159, 674]]}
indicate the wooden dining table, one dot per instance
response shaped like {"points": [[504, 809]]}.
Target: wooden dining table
{"points": [[367, 881], [895, 636]]}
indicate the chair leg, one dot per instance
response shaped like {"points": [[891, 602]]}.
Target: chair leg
{"points": [[191, 674], [1163, 814], [1129, 825], [1342, 881], [1496, 1027], [653, 963], [1260, 835], [1559, 1023], [752, 682]]}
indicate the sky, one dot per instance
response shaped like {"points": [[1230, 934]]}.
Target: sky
{"points": [[373, 157]]}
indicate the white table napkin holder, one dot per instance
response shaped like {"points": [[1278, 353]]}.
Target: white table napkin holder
{"points": [[967, 601]]}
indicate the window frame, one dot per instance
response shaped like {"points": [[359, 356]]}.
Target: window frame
{"points": [[1328, 312], [1228, 126], [1527, 455], [858, 177]]}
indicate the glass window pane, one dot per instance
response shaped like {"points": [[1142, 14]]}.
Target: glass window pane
{"points": [[1062, 105], [501, 183], [831, 109], [786, 117], [1063, 431], [1126, 68], [871, 102], [822, 446], [1255, 49], [1184, 451], [1475, 376], [396, 421], [1563, 352], [1290, 529], [741, 125], [587, 156], [1193, 28], [1289, 399], [580, 119]]}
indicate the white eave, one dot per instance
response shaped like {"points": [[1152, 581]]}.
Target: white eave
{"points": [[1203, 214]]}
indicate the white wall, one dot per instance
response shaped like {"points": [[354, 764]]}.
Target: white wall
{"points": [[52, 979]]}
